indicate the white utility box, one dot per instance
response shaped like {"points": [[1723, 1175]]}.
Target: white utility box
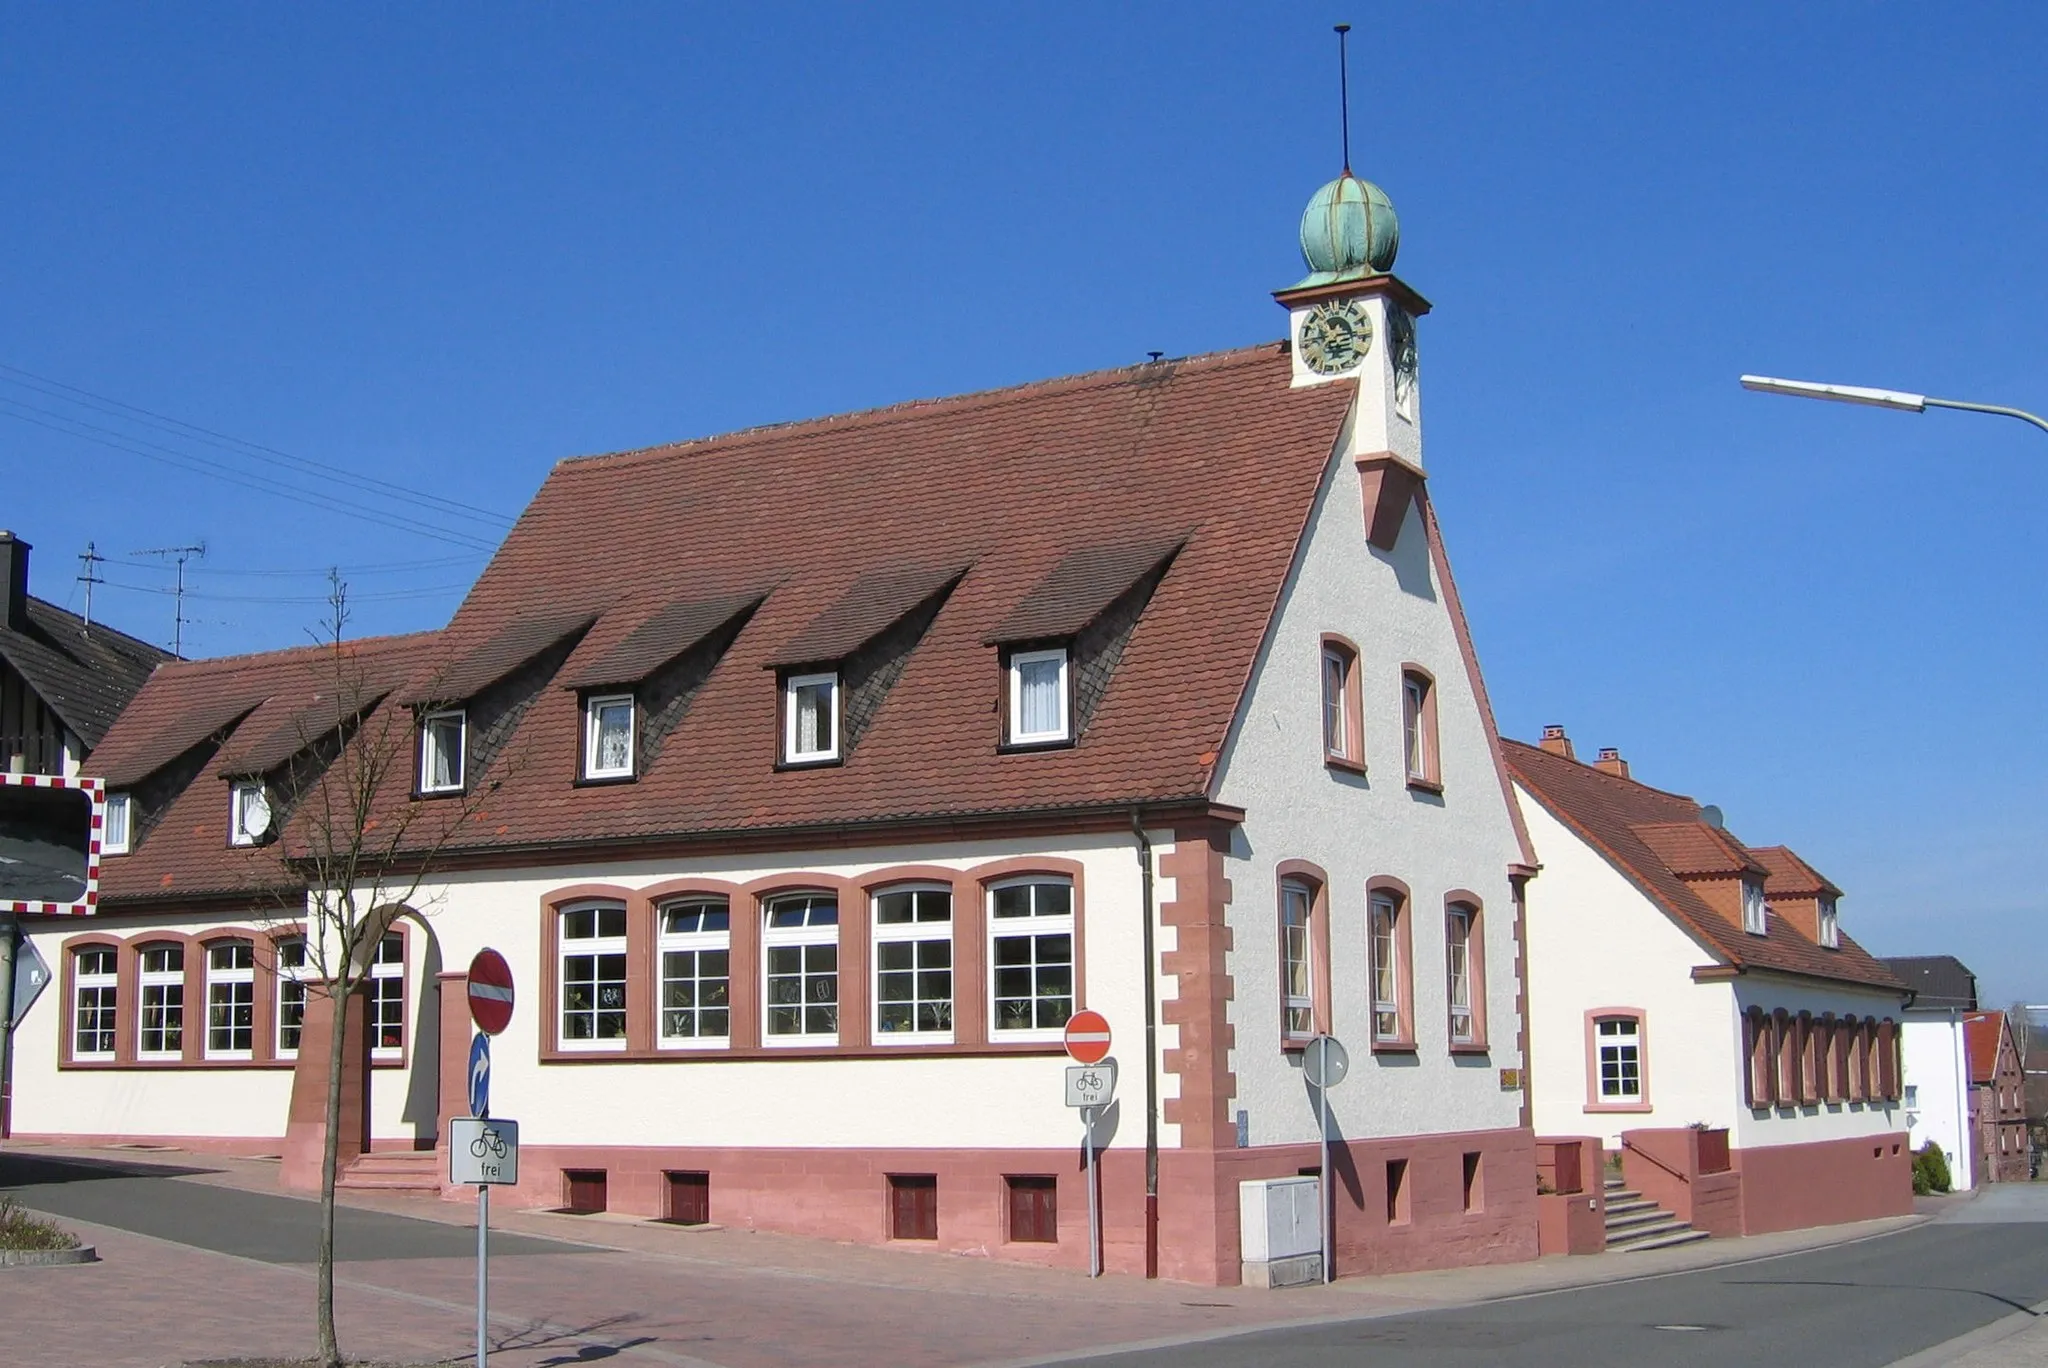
{"points": [[1280, 1238]]}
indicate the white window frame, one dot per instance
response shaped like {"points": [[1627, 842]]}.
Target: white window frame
{"points": [[1336, 703], [1754, 910], [293, 961], [1297, 948], [169, 989], [595, 947], [385, 976], [811, 934], [1032, 927], [791, 687], [1830, 925], [1458, 970], [1384, 967], [1064, 731], [916, 934], [430, 750], [1415, 738], [699, 942], [593, 735], [1628, 1049], [106, 998], [117, 829], [234, 981], [243, 795]]}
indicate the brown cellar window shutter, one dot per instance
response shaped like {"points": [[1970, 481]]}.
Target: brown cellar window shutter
{"points": [[913, 1206], [1034, 1209]]}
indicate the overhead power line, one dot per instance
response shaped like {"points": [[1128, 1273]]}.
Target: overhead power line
{"points": [[320, 572], [86, 398], [385, 596]]}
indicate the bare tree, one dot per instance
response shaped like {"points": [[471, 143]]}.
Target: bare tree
{"points": [[357, 847]]}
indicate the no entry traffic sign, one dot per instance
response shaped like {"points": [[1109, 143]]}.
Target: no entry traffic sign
{"points": [[490, 992], [1087, 1037]]}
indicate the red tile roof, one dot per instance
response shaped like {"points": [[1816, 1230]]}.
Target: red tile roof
{"points": [[1654, 838], [1790, 876], [1982, 1034]]}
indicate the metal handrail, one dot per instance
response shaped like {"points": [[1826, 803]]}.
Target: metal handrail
{"points": [[1626, 1143]]}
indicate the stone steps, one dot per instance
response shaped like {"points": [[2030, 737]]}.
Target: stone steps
{"points": [[1635, 1223], [394, 1171]]}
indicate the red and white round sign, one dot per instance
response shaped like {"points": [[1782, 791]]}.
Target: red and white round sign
{"points": [[490, 992], [1087, 1037]]}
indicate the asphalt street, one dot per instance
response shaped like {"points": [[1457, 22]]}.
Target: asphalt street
{"points": [[1852, 1306], [149, 1200]]}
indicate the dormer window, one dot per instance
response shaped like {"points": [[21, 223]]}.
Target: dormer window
{"points": [[1038, 697], [115, 828], [1830, 926], [249, 814], [810, 719], [608, 737], [1753, 907], [443, 739]]}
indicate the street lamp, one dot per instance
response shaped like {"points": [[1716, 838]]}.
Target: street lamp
{"points": [[1879, 398]]}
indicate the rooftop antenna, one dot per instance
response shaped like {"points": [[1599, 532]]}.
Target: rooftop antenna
{"points": [[178, 554], [1344, 89], [91, 559]]}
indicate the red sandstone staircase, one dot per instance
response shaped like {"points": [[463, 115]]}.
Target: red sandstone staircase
{"points": [[1636, 1223], [405, 1171]]}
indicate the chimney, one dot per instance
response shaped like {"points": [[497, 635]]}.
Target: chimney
{"points": [[1556, 742], [1610, 762], [14, 579]]}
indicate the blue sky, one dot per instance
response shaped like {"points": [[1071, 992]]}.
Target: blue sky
{"points": [[446, 247]]}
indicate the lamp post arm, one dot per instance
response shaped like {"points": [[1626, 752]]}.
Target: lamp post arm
{"points": [[2025, 417]]}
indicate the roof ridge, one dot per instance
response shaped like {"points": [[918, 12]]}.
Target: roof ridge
{"points": [[212, 664], [920, 406], [91, 630], [1601, 773]]}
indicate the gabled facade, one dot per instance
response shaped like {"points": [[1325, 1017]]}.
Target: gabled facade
{"points": [[1942, 992], [813, 776], [1998, 1099], [1681, 982]]}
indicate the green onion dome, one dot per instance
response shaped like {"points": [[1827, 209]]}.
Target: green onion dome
{"points": [[1349, 230]]}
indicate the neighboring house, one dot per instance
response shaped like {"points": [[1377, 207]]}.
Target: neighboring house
{"points": [[1681, 980], [62, 681], [1938, 1107], [1998, 1098], [827, 768]]}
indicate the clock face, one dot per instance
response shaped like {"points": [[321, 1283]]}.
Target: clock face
{"points": [[1335, 336]]}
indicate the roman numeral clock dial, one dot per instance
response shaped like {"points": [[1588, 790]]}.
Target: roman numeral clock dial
{"points": [[1335, 336]]}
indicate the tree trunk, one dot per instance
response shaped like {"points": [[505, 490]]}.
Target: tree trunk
{"points": [[330, 1346]]}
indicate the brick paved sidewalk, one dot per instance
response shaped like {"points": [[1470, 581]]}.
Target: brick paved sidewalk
{"points": [[656, 1295]]}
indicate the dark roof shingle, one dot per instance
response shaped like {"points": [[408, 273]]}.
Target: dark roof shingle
{"points": [[85, 675], [1938, 982]]}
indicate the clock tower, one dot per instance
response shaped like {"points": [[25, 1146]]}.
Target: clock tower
{"points": [[1351, 318]]}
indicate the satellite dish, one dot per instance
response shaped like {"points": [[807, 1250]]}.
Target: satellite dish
{"points": [[257, 816], [1711, 815]]}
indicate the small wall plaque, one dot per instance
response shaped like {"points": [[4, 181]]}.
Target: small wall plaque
{"points": [[1510, 1080]]}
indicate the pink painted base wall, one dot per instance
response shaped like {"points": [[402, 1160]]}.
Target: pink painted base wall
{"points": [[844, 1195], [1788, 1187], [233, 1146]]}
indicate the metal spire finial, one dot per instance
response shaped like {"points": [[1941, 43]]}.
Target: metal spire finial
{"points": [[1344, 89]]}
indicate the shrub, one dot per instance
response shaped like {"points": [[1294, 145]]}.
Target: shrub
{"points": [[21, 1229], [1930, 1170]]}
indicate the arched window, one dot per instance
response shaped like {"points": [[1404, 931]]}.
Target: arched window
{"points": [[1031, 957], [230, 1000], [913, 956], [591, 964], [695, 954], [800, 960], [162, 989], [95, 983]]}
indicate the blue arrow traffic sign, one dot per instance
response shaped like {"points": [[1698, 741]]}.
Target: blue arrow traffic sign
{"points": [[480, 1075]]}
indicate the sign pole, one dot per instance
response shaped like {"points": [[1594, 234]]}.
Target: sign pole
{"points": [[483, 1274], [1094, 1200], [1323, 1133]]}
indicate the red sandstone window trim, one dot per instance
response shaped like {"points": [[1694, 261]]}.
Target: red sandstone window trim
{"points": [[1385, 892], [1314, 884], [1595, 1099], [1464, 900], [1342, 702]]}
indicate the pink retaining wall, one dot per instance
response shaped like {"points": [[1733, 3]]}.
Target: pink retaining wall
{"points": [[1787, 1187]]}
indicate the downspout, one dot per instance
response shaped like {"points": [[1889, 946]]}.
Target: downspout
{"points": [[1151, 1052], [1966, 1138], [7, 938]]}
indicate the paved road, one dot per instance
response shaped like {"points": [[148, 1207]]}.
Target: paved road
{"points": [[1852, 1306], [146, 1199]]}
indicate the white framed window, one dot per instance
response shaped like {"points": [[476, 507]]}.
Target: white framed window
{"points": [[231, 1000], [162, 1018], [1830, 925], [1386, 967], [1031, 958], [591, 964], [1458, 923], [1418, 728], [115, 830], [608, 737], [914, 964], [695, 952], [1619, 1043], [1336, 726], [444, 738], [810, 722], [1753, 907], [800, 965], [1038, 697], [291, 995], [248, 812], [386, 998], [1297, 904], [95, 984]]}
